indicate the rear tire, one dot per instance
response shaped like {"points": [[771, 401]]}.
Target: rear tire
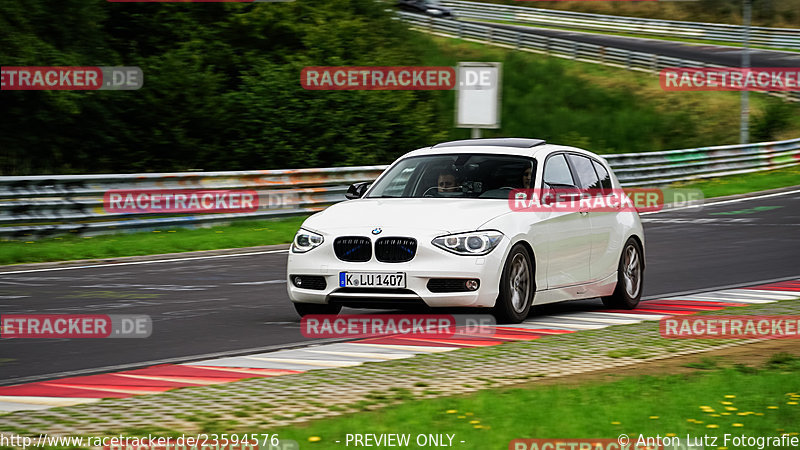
{"points": [[517, 287], [305, 309], [630, 278]]}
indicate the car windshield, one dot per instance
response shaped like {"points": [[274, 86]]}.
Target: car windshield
{"points": [[456, 176]]}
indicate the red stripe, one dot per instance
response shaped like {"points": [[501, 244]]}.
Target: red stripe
{"points": [[169, 370], [515, 335], [669, 307], [465, 342], [542, 331], [405, 341], [691, 303], [133, 390], [650, 311], [113, 379], [46, 390]]}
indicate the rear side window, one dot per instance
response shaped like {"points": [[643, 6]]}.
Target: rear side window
{"points": [[557, 173], [587, 177], [602, 173]]}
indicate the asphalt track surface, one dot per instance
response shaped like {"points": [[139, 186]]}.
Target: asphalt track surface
{"points": [[712, 54], [238, 303]]}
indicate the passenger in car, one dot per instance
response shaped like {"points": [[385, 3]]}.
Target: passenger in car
{"points": [[527, 178]]}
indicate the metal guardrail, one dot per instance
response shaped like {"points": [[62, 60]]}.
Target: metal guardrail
{"points": [[786, 38], [562, 48], [661, 168], [40, 206]]}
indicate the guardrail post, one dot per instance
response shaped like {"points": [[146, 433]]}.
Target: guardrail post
{"points": [[517, 39]]}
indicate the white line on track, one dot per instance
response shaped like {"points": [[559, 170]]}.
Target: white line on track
{"points": [[133, 263], [723, 202]]}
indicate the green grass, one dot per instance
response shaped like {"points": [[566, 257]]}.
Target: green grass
{"points": [[607, 109], [243, 234], [749, 182], [647, 405]]}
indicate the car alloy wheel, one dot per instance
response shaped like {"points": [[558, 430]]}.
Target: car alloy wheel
{"points": [[630, 275], [516, 287]]}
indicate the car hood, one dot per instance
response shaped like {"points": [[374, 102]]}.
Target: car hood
{"points": [[430, 214]]}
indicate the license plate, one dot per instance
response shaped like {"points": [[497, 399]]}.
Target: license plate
{"points": [[374, 280]]}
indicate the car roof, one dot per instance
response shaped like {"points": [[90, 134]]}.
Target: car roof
{"points": [[502, 146], [498, 142]]}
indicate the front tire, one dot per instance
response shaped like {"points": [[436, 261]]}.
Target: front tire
{"points": [[305, 309], [630, 276], [517, 287]]}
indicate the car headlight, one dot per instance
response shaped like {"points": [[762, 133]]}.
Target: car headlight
{"points": [[434, 12], [306, 240], [474, 243]]}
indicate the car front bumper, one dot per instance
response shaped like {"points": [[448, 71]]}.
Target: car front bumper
{"points": [[428, 263]]}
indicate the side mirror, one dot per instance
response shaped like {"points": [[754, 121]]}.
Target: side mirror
{"points": [[356, 190]]}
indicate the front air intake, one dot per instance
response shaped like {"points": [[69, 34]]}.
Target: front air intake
{"points": [[395, 249], [353, 248]]}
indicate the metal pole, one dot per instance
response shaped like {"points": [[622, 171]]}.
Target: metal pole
{"points": [[476, 133], [744, 128]]}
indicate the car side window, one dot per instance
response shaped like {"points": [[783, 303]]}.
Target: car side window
{"points": [[557, 173], [587, 177], [602, 173]]}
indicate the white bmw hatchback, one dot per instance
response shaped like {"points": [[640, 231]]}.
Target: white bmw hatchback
{"points": [[438, 228]]}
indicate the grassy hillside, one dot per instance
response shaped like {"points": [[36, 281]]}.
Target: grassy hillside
{"points": [[766, 13], [610, 110]]}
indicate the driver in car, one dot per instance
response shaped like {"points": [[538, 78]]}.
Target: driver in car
{"points": [[447, 184]]}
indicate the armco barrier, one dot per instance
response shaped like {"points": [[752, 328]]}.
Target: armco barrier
{"points": [[39, 206], [561, 48], [788, 38], [36, 206], [661, 168]]}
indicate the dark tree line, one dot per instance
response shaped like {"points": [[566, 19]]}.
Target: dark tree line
{"points": [[221, 91]]}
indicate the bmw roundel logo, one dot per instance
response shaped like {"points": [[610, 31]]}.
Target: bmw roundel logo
{"points": [[377, 231]]}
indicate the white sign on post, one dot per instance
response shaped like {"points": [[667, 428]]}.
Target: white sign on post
{"points": [[478, 95]]}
